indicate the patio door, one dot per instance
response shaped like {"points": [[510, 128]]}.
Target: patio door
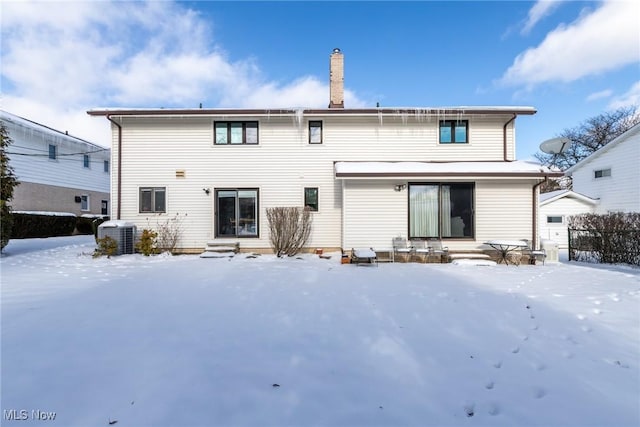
{"points": [[237, 213]]}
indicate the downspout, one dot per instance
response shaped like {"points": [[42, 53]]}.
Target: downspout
{"points": [[534, 214], [119, 176], [504, 136]]}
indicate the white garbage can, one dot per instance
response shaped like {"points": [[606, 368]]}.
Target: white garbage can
{"points": [[551, 249]]}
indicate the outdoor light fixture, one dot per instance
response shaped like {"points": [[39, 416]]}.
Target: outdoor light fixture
{"points": [[400, 187], [206, 190]]}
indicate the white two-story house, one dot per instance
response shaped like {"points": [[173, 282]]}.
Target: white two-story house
{"points": [[367, 174], [612, 174], [57, 172]]}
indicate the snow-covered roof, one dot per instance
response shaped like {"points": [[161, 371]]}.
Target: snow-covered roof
{"points": [[415, 111], [412, 169], [30, 124], [546, 198], [631, 132]]}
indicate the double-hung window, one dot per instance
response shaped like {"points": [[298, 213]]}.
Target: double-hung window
{"points": [[153, 199], [235, 133], [53, 152], [315, 131], [106, 166], [454, 131], [86, 161], [441, 210], [237, 212]]}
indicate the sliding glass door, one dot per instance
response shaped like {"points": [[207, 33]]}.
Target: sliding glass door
{"points": [[441, 210], [237, 213]]}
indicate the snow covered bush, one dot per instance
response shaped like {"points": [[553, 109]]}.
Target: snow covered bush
{"points": [[608, 238], [289, 228], [107, 246], [147, 243]]}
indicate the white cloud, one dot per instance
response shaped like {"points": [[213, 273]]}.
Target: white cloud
{"points": [[629, 99], [539, 10], [58, 62], [603, 40], [599, 95]]}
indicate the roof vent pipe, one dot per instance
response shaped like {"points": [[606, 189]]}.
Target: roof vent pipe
{"points": [[336, 79]]}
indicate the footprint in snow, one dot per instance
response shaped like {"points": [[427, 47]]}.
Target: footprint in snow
{"points": [[489, 385], [581, 316], [469, 410], [597, 311], [539, 392], [586, 329], [515, 350], [498, 364], [494, 409]]}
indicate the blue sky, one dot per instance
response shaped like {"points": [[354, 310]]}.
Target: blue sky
{"points": [[571, 60]]}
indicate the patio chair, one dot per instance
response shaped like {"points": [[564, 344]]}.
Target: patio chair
{"points": [[364, 257], [436, 249], [420, 250], [400, 248], [534, 254]]}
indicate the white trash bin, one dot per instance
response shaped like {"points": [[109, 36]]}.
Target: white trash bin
{"points": [[551, 249]]}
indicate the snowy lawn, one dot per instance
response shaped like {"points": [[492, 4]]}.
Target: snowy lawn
{"points": [[185, 341]]}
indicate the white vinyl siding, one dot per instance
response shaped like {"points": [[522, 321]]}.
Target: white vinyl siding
{"points": [[621, 190], [564, 207], [280, 166]]}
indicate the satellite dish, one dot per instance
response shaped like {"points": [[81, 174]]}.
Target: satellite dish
{"points": [[555, 145]]}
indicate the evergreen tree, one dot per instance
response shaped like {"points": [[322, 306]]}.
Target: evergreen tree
{"points": [[8, 182]]}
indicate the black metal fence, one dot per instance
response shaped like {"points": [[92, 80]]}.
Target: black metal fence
{"points": [[609, 247]]}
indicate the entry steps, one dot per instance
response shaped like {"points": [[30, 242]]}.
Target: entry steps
{"points": [[220, 250]]}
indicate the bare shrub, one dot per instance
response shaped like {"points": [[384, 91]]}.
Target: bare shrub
{"points": [[609, 238], [290, 228], [168, 233]]}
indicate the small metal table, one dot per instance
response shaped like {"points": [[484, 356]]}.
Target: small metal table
{"points": [[505, 247]]}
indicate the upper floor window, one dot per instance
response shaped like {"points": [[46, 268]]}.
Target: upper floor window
{"points": [[153, 199], [311, 198], [53, 152], [315, 132], [86, 160], [602, 173], [235, 133], [106, 166], [454, 131]]}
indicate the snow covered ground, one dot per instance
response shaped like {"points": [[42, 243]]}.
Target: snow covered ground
{"points": [[185, 341]]}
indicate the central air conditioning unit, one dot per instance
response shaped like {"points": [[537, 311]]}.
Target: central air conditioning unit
{"points": [[124, 233]]}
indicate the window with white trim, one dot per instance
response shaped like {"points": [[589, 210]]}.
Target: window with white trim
{"points": [[555, 219], [153, 199], [602, 173], [315, 131], [454, 131], [311, 198], [235, 133], [84, 202], [86, 161]]}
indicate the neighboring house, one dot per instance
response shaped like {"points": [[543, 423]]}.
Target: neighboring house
{"points": [[612, 174], [56, 171], [555, 208], [367, 174]]}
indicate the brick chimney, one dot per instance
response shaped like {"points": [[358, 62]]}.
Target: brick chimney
{"points": [[336, 79]]}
